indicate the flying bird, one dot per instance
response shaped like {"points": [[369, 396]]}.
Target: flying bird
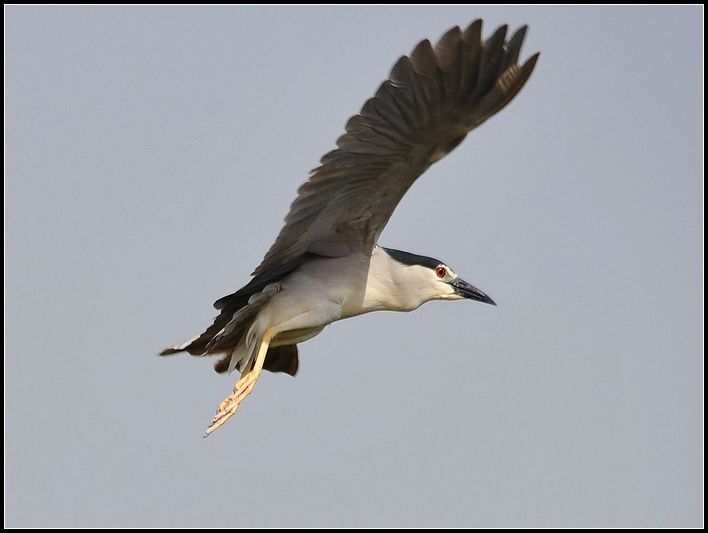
{"points": [[325, 264]]}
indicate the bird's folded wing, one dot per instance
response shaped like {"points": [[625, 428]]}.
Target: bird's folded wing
{"points": [[431, 100]]}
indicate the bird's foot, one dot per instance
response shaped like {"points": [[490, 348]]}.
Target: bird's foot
{"points": [[231, 403]]}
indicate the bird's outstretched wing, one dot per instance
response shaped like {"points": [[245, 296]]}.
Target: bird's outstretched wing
{"points": [[431, 100]]}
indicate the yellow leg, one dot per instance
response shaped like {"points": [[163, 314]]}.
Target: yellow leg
{"points": [[243, 386]]}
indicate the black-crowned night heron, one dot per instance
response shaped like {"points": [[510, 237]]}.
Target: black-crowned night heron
{"points": [[325, 264]]}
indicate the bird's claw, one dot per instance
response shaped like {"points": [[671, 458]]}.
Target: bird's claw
{"points": [[231, 403]]}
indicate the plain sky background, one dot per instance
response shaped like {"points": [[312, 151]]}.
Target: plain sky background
{"points": [[151, 155]]}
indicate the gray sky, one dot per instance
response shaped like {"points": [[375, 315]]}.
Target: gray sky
{"points": [[151, 155]]}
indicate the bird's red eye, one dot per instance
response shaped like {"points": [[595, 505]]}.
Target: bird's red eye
{"points": [[441, 272]]}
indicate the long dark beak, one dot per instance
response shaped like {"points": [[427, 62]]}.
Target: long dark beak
{"points": [[466, 290]]}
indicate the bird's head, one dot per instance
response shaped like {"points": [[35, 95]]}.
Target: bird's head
{"points": [[431, 279]]}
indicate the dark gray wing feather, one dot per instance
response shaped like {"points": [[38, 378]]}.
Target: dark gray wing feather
{"points": [[430, 102]]}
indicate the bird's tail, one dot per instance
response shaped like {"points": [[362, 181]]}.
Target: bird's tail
{"points": [[231, 335]]}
